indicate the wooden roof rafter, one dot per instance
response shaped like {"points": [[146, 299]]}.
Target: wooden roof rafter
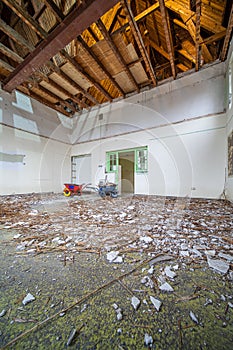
{"points": [[136, 32], [117, 53], [198, 34], [73, 25], [87, 76], [70, 81], [55, 10], [167, 31], [25, 17], [104, 70], [227, 37]]}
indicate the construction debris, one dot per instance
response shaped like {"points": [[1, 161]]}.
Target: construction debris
{"points": [[29, 297]]}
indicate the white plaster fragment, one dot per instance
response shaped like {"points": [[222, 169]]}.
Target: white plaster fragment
{"points": [[218, 265], [146, 239], [193, 317], [135, 302], [148, 340], [166, 287], [169, 273], [156, 302], [29, 297]]}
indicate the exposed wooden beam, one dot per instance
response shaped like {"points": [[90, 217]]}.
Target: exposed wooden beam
{"points": [[198, 36], [39, 12], [104, 70], [73, 25], [26, 18], [54, 85], [11, 54], [115, 50], [190, 26], [159, 49], [55, 10], [138, 18], [6, 66], [227, 37], [87, 76], [39, 98], [182, 67], [64, 76], [187, 55], [19, 39], [138, 38], [214, 37], [168, 37]]}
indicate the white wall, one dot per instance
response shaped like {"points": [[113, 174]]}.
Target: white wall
{"points": [[183, 125], [37, 133]]}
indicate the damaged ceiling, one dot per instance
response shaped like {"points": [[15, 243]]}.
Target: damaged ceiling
{"points": [[72, 55]]}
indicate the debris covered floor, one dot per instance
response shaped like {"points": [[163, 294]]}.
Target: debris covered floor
{"points": [[128, 273]]}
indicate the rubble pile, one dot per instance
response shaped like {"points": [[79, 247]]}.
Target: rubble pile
{"points": [[188, 229]]}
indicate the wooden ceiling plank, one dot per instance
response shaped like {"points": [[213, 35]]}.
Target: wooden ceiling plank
{"points": [[11, 54], [64, 91], [64, 76], [73, 25], [25, 17], [187, 55], [168, 37], [104, 70], [55, 10], [159, 49], [39, 12], [115, 50], [214, 37], [138, 18], [223, 54], [198, 35], [182, 67], [19, 39], [79, 68], [139, 40], [191, 28], [6, 66]]}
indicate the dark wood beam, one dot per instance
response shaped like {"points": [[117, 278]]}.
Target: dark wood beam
{"points": [[87, 76], [11, 54], [168, 37], [39, 12], [227, 37], [25, 17], [55, 9], [104, 70], [64, 76], [116, 52], [19, 39], [198, 31], [139, 40], [214, 37], [73, 25]]}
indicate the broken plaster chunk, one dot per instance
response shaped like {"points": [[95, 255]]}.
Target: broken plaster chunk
{"points": [[210, 252], [146, 239], [193, 317], [169, 273], [2, 313], [135, 302], [156, 302], [148, 340], [218, 265], [111, 256], [184, 253], [166, 287], [29, 297], [226, 256], [71, 337]]}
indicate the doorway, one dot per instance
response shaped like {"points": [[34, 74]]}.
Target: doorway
{"points": [[126, 171]]}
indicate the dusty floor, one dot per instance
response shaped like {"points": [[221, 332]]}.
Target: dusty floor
{"points": [[135, 272]]}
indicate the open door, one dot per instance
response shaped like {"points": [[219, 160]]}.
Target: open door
{"points": [[126, 161]]}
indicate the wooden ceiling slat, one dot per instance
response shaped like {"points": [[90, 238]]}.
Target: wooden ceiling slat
{"points": [[19, 39], [74, 24], [167, 30], [64, 76], [11, 54], [23, 14], [79, 68], [104, 70], [55, 9], [227, 37], [138, 38], [6, 66], [113, 47], [198, 36]]}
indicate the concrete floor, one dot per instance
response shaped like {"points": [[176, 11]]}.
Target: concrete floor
{"points": [[58, 249]]}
